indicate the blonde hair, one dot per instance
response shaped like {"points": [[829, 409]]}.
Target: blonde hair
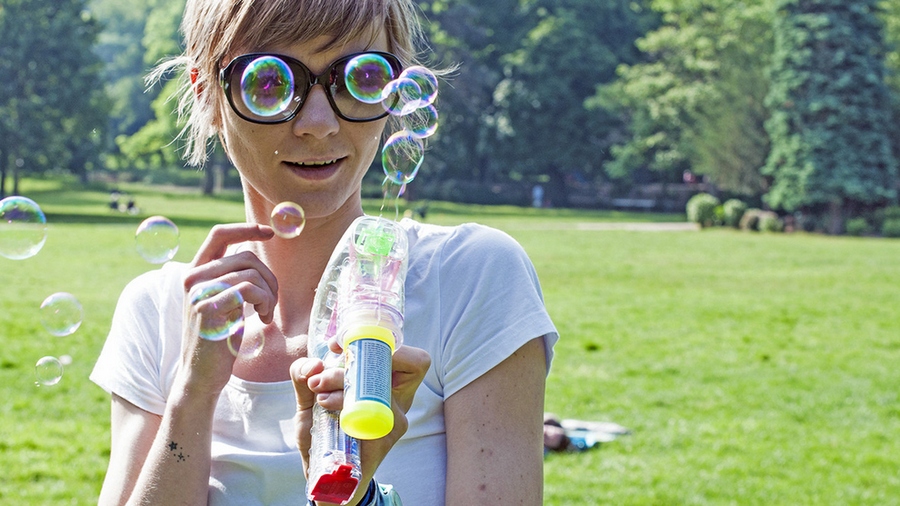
{"points": [[216, 29]]}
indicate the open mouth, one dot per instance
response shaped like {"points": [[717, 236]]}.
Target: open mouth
{"points": [[313, 165], [319, 170]]}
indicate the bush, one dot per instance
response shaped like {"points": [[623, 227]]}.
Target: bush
{"points": [[891, 213], [770, 222], [858, 226], [732, 212], [750, 220], [891, 227], [701, 208], [757, 220]]}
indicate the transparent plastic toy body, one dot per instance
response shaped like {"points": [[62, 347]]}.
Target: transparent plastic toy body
{"points": [[359, 300]]}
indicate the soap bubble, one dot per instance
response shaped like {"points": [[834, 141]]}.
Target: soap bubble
{"points": [[422, 122], [428, 83], [402, 156], [157, 239], [48, 371], [247, 349], [401, 96], [65, 360], [288, 220], [23, 228], [226, 323], [267, 86], [366, 76], [61, 314]]}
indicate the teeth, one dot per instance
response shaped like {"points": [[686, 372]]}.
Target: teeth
{"points": [[316, 164]]}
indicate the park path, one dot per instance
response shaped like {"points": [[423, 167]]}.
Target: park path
{"points": [[640, 226]]}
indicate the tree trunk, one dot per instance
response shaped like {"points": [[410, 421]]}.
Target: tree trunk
{"points": [[209, 179], [835, 217], [558, 192], [15, 176], [3, 165]]}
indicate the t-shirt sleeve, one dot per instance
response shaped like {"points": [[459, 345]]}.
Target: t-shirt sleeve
{"points": [[491, 304], [130, 362]]}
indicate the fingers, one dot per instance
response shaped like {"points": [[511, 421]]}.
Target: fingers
{"points": [[301, 371], [222, 236], [408, 370], [244, 271]]}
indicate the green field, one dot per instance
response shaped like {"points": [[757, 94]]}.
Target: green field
{"points": [[751, 368]]}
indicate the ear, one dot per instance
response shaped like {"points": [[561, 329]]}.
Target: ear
{"points": [[195, 73]]}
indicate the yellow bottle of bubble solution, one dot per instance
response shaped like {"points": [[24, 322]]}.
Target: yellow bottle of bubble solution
{"points": [[370, 324]]}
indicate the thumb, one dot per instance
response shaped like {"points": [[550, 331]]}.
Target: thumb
{"points": [[301, 370]]}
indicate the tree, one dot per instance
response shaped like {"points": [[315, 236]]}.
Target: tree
{"points": [[475, 36], [696, 102], [52, 113], [830, 122], [574, 46]]}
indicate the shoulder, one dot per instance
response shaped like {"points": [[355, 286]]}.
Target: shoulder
{"points": [[152, 286], [461, 242]]}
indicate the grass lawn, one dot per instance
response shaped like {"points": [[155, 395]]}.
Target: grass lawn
{"points": [[751, 368]]}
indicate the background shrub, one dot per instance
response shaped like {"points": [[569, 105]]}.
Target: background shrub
{"points": [[770, 222], [858, 226], [750, 220], [701, 208], [891, 227], [732, 212]]}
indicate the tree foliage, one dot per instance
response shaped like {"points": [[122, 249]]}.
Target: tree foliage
{"points": [[52, 113], [696, 102], [829, 102]]}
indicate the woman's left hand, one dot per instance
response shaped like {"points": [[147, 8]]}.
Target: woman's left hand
{"points": [[314, 383]]}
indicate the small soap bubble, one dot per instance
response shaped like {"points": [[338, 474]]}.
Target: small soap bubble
{"points": [[366, 76], [401, 96], [428, 83], [267, 86], [246, 349], [23, 228], [402, 156], [48, 371], [156, 239], [61, 314], [65, 360], [228, 318], [288, 220], [422, 123]]}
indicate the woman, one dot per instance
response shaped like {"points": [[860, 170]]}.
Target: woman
{"points": [[193, 424]]}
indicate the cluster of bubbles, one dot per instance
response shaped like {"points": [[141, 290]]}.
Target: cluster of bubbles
{"points": [[23, 232], [410, 97]]}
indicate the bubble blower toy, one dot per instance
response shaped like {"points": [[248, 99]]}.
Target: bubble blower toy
{"points": [[360, 297], [360, 301]]}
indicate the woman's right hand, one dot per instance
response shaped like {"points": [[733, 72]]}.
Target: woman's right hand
{"points": [[211, 287]]}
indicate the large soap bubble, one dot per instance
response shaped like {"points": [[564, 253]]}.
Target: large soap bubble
{"points": [[23, 228]]}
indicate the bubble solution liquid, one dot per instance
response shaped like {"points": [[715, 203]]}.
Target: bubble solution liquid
{"points": [[359, 300]]}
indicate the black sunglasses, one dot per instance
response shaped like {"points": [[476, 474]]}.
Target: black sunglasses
{"points": [[271, 88]]}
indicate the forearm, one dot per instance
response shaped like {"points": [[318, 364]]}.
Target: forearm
{"points": [[177, 468]]}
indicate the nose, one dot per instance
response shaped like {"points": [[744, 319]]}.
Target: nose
{"points": [[316, 117]]}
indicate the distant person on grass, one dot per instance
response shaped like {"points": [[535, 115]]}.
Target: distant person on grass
{"points": [[193, 424]]}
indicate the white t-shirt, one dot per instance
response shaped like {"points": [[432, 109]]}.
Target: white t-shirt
{"points": [[472, 299]]}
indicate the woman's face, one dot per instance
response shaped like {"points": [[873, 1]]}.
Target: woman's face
{"points": [[316, 159]]}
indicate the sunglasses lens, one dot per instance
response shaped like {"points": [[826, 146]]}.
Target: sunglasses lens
{"points": [[366, 75], [358, 86], [267, 87]]}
